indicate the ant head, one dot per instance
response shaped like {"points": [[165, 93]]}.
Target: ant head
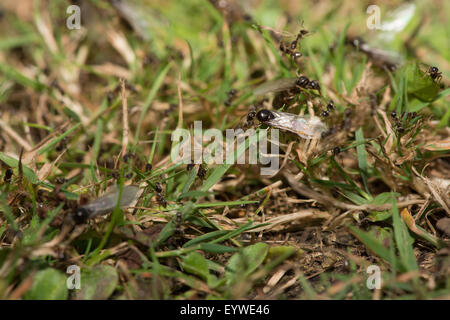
{"points": [[314, 84], [434, 69], [264, 115], [80, 215]]}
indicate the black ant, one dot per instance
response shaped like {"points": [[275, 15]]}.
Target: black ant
{"points": [[314, 85], [201, 172], [291, 48], [190, 166], [434, 73], [178, 220], [158, 187], [293, 53], [251, 116], [8, 175], [127, 156], [231, 95], [148, 167], [300, 35], [330, 107], [336, 151], [161, 199], [398, 124]]}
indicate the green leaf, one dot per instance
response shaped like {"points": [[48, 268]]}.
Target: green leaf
{"points": [[244, 263], [205, 237], [420, 84], [381, 199], [20, 78], [403, 239], [156, 85], [48, 284], [98, 283], [384, 197], [195, 263], [218, 172], [374, 245], [27, 172], [169, 228], [216, 248], [375, 216]]}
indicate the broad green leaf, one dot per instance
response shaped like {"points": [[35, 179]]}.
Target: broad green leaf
{"points": [[244, 263], [48, 284], [373, 244], [195, 263], [420, 84], [375, 216], [98, 283]]}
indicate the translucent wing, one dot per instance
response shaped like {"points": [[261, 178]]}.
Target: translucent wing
{"points": [[107, 202], [304, 126], [388, 57], [382, 45], [275, 86]]}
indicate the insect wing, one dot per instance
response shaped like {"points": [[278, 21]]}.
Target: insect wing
{"points": [[304, 126], [275, 86], [107, 202]]}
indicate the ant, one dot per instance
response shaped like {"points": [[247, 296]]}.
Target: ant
{"points": [[300, 35], [161, 200], [251, 116], [330, 107], [8, 175], [398, 124], [293, 53], [434, 73], [178, 220], [336, 151], [158, 187], [127, 156], [314, 85], [291, 48], [231, 95], [305, 83], [201, 172]]}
